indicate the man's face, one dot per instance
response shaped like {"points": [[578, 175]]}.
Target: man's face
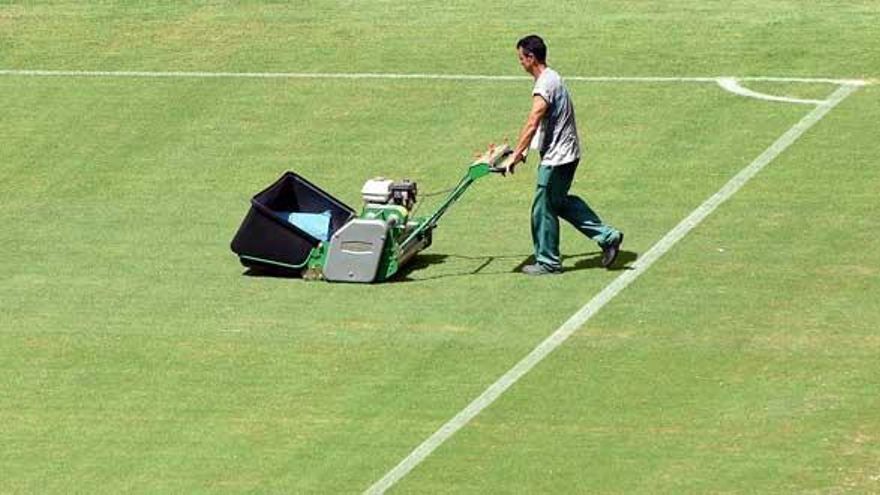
{"points": [[527, 60]]}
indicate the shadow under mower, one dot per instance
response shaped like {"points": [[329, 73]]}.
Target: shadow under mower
{"points": [[295, 228]]}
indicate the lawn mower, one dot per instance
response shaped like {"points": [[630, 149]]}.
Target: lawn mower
{"points": [[295, 228]]}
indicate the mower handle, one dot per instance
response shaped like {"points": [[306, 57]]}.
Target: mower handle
{"points": [[495, 156]]}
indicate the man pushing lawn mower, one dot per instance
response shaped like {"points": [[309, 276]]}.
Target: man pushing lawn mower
{"points": [[294, 227], [551, 127]]}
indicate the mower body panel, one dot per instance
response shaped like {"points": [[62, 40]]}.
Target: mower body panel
{"points": [[355, 252]]}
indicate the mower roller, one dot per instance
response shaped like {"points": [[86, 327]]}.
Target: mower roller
{"points": [[295, 228]]}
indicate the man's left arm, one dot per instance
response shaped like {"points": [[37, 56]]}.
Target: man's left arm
{"points": [[533, 121]]}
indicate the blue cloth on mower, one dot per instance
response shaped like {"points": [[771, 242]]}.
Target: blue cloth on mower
{"points": [[316, 225]]}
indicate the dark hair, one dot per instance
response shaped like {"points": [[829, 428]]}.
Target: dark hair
{"points": [[533, 45]]}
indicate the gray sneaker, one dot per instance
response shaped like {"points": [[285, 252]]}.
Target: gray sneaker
{"points": [[539, 269], [610, 252]]}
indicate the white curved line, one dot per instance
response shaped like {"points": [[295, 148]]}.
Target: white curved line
{"points": [[839, 82], [732, 85]]}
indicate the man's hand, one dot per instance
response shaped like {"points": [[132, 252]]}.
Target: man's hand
{"points": [[510, 163]]}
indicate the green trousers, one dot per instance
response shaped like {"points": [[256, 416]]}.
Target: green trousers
{"points": [[553, 202]]}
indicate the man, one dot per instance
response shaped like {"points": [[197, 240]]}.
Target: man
{"points": [[551, 129]]}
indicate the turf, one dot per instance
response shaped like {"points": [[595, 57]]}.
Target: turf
{"points": [[138, 357]]}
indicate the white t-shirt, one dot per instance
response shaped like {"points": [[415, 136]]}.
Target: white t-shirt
{"points": [[557, 138]]}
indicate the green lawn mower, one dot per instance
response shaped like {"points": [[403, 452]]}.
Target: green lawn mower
{"points": [[295, 228]]}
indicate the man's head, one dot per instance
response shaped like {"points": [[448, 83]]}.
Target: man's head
{"points": [[532, 53]]}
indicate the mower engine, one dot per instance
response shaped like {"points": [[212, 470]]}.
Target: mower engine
{"points": [[385, 191], [390, 201]]}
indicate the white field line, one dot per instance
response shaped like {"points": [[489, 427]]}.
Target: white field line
{"points": [[577, 320], [377, 75], [732, 85], [843, 82]]}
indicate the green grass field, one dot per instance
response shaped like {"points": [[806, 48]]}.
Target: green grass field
{"points": [[135, 355]]}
